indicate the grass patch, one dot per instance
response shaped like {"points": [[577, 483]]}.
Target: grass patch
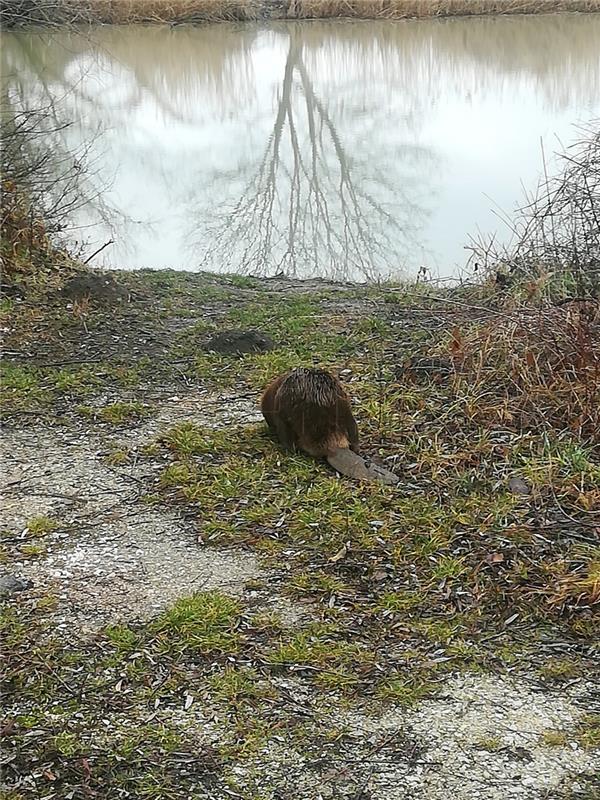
{"points": [[336, 663], [121, 413], [555, 738], [405, 690], [588, 732], [492, 744], [205, 623], [238, 687], [39, 526], [118, 457], [560, 669]]}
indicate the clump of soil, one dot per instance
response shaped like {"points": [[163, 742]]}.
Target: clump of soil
{"points": [[100, 287], [237, 342]]}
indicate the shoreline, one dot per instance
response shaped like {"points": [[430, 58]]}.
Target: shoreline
{"points": [[180, 12]]}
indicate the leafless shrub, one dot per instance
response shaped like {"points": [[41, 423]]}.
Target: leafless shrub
{"points": [[115, 12], [555, 252], [45, 183]]}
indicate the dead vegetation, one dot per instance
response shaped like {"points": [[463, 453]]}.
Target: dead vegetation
{"points": [[554, 254], [540, 366], [122, 12], [399, 9], [125, 12]]}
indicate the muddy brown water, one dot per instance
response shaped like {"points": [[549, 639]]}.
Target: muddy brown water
{"points": [[346, 150]]}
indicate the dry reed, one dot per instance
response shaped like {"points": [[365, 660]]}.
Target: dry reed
{"points": [[118, 12], [398, 9], [124, 12]]}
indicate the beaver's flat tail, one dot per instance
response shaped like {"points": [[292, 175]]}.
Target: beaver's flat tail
{"points": [[352, 465]]}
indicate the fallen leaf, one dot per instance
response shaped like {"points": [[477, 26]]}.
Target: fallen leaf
{"points": [[339, 555]]}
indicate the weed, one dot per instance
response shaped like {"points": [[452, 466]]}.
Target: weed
{"points": [[33, 550], [121, 412], [39, 526], [492, 744], [555, 738], [404, 690], [560, 669], [117, 457], [588, 731], [238, 686]]}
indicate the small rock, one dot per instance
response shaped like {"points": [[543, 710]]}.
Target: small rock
{"points": [[9, 584], [518, 486]]}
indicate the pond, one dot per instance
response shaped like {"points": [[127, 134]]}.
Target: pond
{"points": [[334, 149]]}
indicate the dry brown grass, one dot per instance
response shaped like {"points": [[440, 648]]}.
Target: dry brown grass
{"points": [[538, 368], [27, 252], [398, 9], [578, 586], [131, 11], [119, 12]]}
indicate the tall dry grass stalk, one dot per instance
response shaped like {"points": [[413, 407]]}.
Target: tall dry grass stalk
{"points": [[119, 12], [398, 9]]}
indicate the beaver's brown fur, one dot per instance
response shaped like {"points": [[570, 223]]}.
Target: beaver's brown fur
{"points": [[309, 409]]}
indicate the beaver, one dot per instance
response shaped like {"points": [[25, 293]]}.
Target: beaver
{"points": [[309, 409]]}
